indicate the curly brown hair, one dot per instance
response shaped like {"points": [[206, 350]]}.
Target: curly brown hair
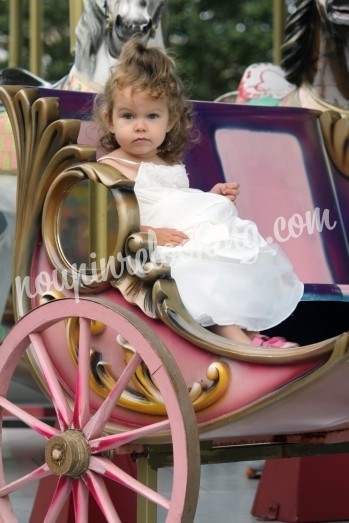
{"points": [[148, 69]]}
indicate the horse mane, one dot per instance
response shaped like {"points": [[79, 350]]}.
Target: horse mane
{"points": [[89, 35], [299, 34]]}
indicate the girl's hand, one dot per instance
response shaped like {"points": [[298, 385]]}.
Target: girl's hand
{"points": [[166, 236], [230, 190]]}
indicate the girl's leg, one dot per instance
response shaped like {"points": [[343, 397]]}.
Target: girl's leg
{"points": [[232, 332]]}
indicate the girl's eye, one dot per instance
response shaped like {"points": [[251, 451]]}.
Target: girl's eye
{"points": [[152, 116], [127, 116]]}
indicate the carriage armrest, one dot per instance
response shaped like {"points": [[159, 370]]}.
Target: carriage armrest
{"points": [[139, 247], [140, 273]]}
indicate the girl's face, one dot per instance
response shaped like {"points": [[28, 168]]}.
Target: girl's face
{"points": [[139, 122]]}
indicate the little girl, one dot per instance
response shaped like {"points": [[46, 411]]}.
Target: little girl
{"points": [[229, 278]]}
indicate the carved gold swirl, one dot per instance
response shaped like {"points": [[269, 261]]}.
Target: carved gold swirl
{"points": [[142, 394], [136, 291], [136, 283], [45, 145]]}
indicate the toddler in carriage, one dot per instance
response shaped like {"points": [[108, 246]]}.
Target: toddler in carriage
{"points": [[229, 278]]}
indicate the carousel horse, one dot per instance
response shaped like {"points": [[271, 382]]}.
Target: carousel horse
{"points": [[321, 74], [102, 29], [100, 33], [314, 70]]}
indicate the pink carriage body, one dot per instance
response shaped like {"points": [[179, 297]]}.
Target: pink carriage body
{"points": [[288, 159]]}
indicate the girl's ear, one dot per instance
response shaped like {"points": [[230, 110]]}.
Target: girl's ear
{"points": [[170, 125]]}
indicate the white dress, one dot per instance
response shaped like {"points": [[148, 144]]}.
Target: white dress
{"points": [[226, 273]]}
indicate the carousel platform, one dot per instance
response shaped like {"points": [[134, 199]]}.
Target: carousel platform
{"points": [[226, 493]]}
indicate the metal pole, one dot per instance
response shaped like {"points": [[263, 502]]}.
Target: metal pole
{"points": [[279, 14], [75, 10], [35, 30], [15, 32]]}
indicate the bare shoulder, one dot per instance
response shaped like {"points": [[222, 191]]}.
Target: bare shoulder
{"points": [[127, 167]]}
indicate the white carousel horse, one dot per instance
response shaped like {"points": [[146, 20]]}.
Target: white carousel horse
{"points": [[100, 33]]}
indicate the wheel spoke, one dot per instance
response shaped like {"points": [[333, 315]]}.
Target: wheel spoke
{"points": [[39, 426], [113, 441], [81, 409], [59, 498], [99, 491], [109, 470], [80, 496], [100, 418], [64, 412], [35, 475]]}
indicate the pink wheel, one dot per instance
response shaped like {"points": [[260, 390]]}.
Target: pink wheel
{"points": [[77, 449]]}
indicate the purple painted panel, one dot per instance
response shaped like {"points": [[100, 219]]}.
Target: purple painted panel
{"points": [[288, 184], [73, 104]]}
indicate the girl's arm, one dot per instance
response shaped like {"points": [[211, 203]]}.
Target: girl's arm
{"points": [[230, 190], [166, 236]]}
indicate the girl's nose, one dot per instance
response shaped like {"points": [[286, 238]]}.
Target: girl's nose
{"points": [[140, 125]]}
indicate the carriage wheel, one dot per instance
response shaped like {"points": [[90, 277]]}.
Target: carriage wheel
{"points": [[77, 449]]}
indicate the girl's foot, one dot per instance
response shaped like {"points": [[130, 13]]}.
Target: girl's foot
{"points": [[277, 342]]}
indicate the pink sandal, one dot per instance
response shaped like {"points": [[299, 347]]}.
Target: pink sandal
{"points": [[277, 342]]}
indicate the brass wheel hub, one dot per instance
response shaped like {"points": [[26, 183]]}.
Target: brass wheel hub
{"points": [[68, 454]]}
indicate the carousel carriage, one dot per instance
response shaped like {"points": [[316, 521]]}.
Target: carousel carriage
{"points": [[106, 337]]}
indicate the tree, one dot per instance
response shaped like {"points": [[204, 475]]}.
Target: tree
{"points": [[216, 41]]}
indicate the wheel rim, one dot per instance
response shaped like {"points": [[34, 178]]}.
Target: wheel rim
{"points": [[78, 448]]}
